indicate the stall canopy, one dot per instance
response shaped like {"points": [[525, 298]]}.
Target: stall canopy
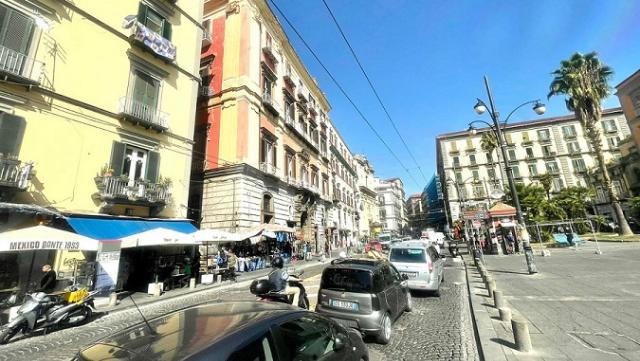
{"points": [[216, 235], [115, 228], [45, 238], [502, 210], [157, 237]]}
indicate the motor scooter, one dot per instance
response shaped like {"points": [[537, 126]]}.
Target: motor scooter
{"points": [[264, 291], [40, 311]]}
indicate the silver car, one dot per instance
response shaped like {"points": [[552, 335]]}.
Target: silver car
{"points": [[421, 263]]}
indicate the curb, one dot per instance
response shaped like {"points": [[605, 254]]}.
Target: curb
{"points": [[476, 333]]}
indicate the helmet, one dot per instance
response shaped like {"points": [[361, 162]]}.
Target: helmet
{"points": [[260, 287], [277, 262]]}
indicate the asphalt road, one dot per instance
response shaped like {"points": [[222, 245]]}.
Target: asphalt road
{"points": [[439, 328]]}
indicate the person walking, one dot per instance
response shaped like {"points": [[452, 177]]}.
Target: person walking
{"points": [[48, 280], [232, 262], [569, 236], [510, 243]]}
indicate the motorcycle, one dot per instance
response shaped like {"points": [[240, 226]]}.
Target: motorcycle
{"points": [[40, 311], [264, 291]]}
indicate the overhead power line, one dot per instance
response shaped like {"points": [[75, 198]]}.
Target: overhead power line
{"points": [[373, 88], [295, 30]]}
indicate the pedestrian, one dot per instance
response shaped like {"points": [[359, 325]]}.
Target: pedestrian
{"points": [[510, 243], [569, 235], [48, 280], [232, 262]]}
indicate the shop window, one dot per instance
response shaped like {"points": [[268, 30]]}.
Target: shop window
{"points": [[154, 21]]}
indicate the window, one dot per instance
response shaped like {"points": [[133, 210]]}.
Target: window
{"points": [[491, 173], [557, 184], [569, 131], [613, 142], [456, 161], [325, 185], [507, 138], [489, 158], [268, 151], [267, 87], [290, 165], [512, 154], [289, 110], [476, 175], [267, 208], [16, 31], [546, 151], [145, 94], [552, 167], [459, 177], [578, 165], [516, 171], [529, 152], [472, 159], [533, 170], [454, 146], [408, 255], [154, 21], [609, 125], [469, 144], [617, 188], [525, 137], [258, 350], [543, 135], [315, 180], [478, 190], [134, 163], [304, 174], [573, 147], [307, 338]]}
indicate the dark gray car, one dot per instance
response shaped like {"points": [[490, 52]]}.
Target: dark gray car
{"points": [[364, 294]]}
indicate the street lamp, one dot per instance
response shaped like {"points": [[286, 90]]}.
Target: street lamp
{"points": [[481, 108]]}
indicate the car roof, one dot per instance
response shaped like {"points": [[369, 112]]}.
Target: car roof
{"points": [[367, 264], [412, 244], [186, 332]]}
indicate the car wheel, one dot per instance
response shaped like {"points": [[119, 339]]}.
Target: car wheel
{"points": [[409, 307], [384, 336], [442, 280], [436, 293]]}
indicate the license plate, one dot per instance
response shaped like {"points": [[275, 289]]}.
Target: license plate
{"points": [[410, 274], [344, 304]]}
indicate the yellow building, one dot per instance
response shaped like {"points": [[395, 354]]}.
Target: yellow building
{"points": [[97, 102]]}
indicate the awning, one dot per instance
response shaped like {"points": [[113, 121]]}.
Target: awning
{"points": [[216, 235], [115, 228], [157, 237], [45, 238]]}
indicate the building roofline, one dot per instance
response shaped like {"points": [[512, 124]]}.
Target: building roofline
{"points": [[527, 123], [628, 79]]}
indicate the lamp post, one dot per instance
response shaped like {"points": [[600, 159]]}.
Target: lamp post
{"points": [[481, 108]]}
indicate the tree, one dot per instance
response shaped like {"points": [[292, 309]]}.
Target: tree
{"points": [[488, 142], [583, 80], [573, 200], [546, 180]]}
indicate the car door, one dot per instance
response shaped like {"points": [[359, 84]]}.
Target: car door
{"points": [[390, 290], [401, 291], [309, 337], [259, 349], [437, 262]]}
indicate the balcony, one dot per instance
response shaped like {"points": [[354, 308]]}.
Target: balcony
{"points": [[268, 103], [574, 150], [20, 67], [526, 142], [267, 49], [205, 91], [553, 171], [454, 151], [268, 168], [288, 78], [150, 40], [114, 189], [302, 96], [292, 181], [206, 33], [570, 136], [143, 114], [313, 110], [544, 140], [14, 173], [530, 157], [549, 154]]}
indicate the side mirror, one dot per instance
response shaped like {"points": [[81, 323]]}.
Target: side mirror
{"points": [[405, 277], [339, 342]]}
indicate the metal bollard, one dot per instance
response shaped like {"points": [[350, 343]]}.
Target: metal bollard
{"points": [[491, 286], [192, 283], [521, 335], [498, 301], [113, 299], [219, 279], [505, 314]]}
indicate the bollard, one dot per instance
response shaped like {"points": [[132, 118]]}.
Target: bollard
{"points": [[192, 283], [219, 279], [491, 286], [157, 291], [521, 335], [498, 301], [505, 314], [113, 299]]}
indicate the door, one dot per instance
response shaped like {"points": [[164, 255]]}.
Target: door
{"points": [[135, 163], [260, 349], [391, 290], [401, 291], [437, 262], [309, 337]]}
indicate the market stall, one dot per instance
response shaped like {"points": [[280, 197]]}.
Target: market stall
{"points": [[503, 227]]}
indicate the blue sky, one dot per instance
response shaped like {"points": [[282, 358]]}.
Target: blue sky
{"points": [[427, 59]]}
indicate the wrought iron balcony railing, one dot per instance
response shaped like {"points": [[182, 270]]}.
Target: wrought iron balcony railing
{"points": [[20, 65], [143, 113], [14, 173], [268, 168], [114, 187]]}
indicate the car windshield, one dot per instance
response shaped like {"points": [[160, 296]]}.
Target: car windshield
{"points": [[346, 279], [408, 255]]}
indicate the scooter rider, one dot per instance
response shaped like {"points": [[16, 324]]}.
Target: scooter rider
{"points": [[279, 278]]}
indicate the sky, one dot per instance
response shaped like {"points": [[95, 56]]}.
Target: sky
{"points": [[427, 58]]}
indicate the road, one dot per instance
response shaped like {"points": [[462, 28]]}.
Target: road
{"points": [[439, 328]]}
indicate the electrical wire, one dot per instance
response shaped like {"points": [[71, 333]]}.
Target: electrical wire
{"points": [[375, 92], [343, 91]]}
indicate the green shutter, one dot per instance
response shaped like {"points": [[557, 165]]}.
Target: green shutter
{"points": [[166, 29], [153, 166], [142, 13], [117, 157], [11, 133]]}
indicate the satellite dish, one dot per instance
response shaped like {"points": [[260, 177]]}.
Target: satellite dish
{"points": [[497, 193]]}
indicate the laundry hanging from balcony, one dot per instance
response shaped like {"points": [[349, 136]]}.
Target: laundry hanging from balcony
{"points": [[149, 38]]}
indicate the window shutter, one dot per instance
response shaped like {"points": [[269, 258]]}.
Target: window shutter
{"points": [[117, 157], [16, 31], [11, 133], [273, 154], [153, 166], [166, 29], [142, 13]]}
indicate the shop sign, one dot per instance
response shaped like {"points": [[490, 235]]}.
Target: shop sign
{"points": [[35, 245], [475, 215], [476, 224], [107, 270]]}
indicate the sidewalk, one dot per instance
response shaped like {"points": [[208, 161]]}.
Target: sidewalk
{"points": [[141, 298], [580, 306]]}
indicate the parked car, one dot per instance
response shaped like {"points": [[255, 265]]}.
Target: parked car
{"points": [[373, 245], [365, 294], [421, 263], [233, 331]]}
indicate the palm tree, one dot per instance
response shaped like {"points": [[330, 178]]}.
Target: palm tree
{"points": [[583, 80], [546, 180], [489, 143]]}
